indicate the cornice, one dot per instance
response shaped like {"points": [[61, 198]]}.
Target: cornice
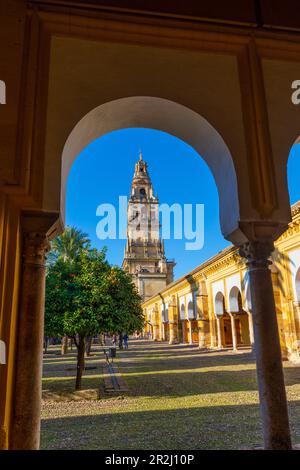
{"points": [[223, 263], [293, 228]]}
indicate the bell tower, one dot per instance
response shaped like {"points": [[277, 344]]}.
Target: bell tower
{"points": [[144, 256]]}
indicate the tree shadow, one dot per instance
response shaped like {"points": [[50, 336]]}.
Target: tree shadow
{"points": [[208, 427]]}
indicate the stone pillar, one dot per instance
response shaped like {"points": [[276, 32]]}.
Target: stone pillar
{"points": [[26, 420], [251, 332], [233, 332], [219, 334], [162, 331], [36, 227], [190, 332], [201, 334], [183, 331], [155, 331], [156, 324], [172, 335], [173, 322], [273, 403]]}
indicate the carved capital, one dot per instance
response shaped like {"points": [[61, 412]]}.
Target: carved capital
{"points": [[36, 246], [257, 253]]}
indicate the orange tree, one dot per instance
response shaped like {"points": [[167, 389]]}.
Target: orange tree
{"points": [[85, 296], [73, 296]]}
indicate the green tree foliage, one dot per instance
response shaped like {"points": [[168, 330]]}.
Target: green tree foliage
{"points": [[121, 309], [85, 296], [73, 294], [68, 245]]}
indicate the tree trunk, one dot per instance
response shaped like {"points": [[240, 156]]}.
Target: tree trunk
{"points": [[80, 361], [64, 345], [88, 348], [45, 344]]}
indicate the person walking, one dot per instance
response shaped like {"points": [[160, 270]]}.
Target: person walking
{"points": [[125, 339]]}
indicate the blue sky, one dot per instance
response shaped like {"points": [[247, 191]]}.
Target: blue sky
{"points": [[103, 171]]}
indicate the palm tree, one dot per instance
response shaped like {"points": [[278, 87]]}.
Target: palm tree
{"points": [[68, 245]]}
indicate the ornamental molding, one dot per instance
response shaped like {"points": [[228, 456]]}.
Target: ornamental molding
{"points": [[36, 246], [224, 263], [293, 229]]}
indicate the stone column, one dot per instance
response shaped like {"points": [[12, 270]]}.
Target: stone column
{"points": [[26, 420], [219, 334], [183, 331], [156, 324], [190, 332], [155, 331], [36, 228], [162, 330], [251, 332], [233, 332], [201, 334], [172, 338], [273, 403], [173, 322]]}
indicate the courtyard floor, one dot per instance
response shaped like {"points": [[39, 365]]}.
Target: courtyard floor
{"points": [[179, 398]]}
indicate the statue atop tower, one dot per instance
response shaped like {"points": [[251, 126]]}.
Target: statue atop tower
{"points": [[144, 256]]}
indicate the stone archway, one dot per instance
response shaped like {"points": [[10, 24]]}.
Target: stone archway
{"points": [[164, 115], [239, 319]]}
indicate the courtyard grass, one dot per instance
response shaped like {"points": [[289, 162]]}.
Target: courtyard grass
{"points": [[179, 398]]}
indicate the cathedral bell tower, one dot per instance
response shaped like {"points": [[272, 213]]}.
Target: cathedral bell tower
{"points": [[144, 256]]}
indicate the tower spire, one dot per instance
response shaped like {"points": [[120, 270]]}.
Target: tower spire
{"points": [[144, 256]]}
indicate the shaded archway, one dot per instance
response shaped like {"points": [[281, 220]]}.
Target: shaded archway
{"points": [[239, 319], [219, 310], [166, 330], [193, 326], [182, 329]]}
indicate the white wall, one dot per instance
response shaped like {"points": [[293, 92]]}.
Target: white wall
{"points": [[294, 256]]}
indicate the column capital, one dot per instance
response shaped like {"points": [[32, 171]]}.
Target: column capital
{"points": [[38, 228], [36, 245], [257, 253]]}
